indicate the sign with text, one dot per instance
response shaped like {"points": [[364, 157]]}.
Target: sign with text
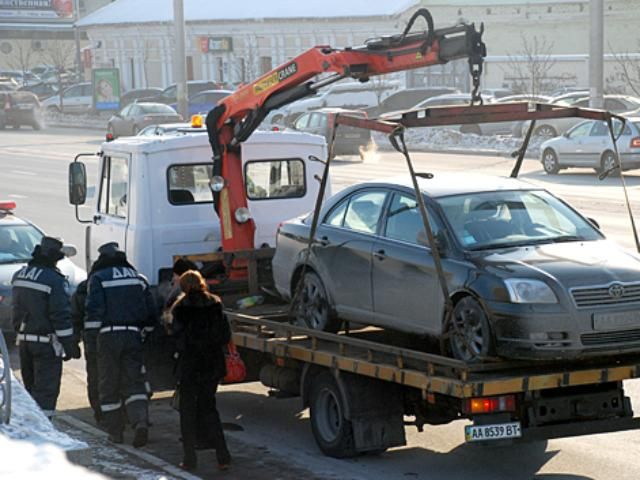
{"points": [[106, 88], [216, 44], [30, 10]]}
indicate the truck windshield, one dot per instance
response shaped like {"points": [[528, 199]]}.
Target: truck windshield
{"points": [[482, 221]]}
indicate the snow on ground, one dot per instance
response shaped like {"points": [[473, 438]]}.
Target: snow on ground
{"points": [[31, 447], [442, 139]]}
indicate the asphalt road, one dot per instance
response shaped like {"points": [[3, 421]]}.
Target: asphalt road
{"points": [[275, 440]]}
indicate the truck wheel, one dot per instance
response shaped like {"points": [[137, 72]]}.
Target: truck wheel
{"points": [[470, 336], [332, 431], [313, 309]]}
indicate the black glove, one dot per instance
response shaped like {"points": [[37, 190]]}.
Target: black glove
{"points": [[71, 350]]}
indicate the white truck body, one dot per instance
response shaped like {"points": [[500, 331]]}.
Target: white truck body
{"points": [[153, 196]]}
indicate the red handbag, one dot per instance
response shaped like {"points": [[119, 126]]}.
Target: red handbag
{"points": [[236, 369]]}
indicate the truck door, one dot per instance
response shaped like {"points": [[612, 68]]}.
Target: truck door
{"points": [[111, 218]]}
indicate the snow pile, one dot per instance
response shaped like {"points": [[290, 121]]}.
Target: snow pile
{"points": [[93, 122], [30, 444], [443, 139]]}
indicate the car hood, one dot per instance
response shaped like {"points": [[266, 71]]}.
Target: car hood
{"points": [[74, 274], [572, 264]]}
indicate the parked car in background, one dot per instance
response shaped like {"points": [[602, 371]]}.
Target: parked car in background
{"points": [[8, 84], [523, 97], [463, 99], [137, 94], [496, 92], [529, 277], [77, 99], [407, 98], [348, 140], [135, 116], [205, 100], [165, 129], [550, 128], [589, 145], [168, 96], [20, 108], [18, 237], [22, 78], [42, 90]]}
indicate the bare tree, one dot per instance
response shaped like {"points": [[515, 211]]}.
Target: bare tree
{"points": [[626, 74], [60, 55], [23, 58], [529, 70]]}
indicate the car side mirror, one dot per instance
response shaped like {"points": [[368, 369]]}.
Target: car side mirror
{"points": [[440, 241], [77, 183], [69, 250], [593, 222]]}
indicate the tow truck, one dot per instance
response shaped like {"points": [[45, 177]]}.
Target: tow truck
{"points": [[362, 383]]}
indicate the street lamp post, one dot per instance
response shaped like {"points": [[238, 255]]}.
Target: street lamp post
{"points": [[596, 55], [180, 58]]}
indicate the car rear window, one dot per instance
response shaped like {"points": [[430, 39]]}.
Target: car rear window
{"points": [[157, 108]]}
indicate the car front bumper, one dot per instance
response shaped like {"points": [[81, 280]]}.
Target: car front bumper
{"points": [[550, 332]]}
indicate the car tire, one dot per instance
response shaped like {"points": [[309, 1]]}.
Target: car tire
{"points": [[545, 131], [475, 129], [313, 309], [607, 161], [331, 429], [470, 336], [550, 162]]}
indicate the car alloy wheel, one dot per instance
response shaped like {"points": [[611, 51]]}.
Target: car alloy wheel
{"points": [[545, 131], [313, 309], [607, 162], [550, 162], [470, 335]]}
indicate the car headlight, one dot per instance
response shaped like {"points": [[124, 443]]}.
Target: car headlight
{"points": [[524, 290]]}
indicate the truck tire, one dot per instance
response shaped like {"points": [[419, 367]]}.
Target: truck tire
{"points": [[332, 431], [314, 309]]}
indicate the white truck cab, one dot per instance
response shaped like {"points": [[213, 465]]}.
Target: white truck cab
{"points": [[153, 195]]}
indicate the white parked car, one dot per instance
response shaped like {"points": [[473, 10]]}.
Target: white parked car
{"points": [[75, 99], [589, 145]]}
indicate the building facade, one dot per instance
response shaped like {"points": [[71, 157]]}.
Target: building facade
{"points": [[522, 37]]}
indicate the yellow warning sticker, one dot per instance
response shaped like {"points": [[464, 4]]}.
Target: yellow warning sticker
{"points": [[276, 77]]}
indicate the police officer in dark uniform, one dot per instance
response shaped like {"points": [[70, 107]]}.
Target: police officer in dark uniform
{"points": [[41, 316], [120, 306]]}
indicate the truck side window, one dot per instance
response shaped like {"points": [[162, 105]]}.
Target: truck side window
{"points": [[269, 179], [114, 187], [189, 184]]}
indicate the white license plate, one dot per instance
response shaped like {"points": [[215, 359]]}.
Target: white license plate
{"points": [[612, 321], [481, 433]]}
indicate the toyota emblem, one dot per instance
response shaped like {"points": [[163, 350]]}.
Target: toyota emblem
{"points": [[616, 290]]}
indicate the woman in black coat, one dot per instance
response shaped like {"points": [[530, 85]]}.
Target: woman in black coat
{"points": [[202, 330]]}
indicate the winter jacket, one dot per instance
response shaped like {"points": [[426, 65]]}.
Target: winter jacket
{"points": [[117, 295], [41, 302], [202, 330]]}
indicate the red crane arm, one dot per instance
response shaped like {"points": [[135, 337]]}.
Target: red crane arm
{"points": [[237, 116]]}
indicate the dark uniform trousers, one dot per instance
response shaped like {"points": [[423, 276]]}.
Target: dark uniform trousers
{"points": [[120, 359], [41, 374], [90, 341]]}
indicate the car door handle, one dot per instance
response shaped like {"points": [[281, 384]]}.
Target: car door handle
{"points": [[380, 254], [97, 219]]}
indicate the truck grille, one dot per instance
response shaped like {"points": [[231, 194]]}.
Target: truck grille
{"points": [[600, 295], [604, 338]]}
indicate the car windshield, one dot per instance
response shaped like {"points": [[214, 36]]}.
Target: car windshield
{"points": [[157, 108], [17, 242], [510, 218]]}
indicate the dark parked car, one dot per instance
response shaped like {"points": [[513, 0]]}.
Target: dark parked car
{"points": [[138, 94], [528, 276], [18, 109], [407, 98], [42, 90], [169, 94], [18, 238], [204, 101], [134, 117], [348, 141]]}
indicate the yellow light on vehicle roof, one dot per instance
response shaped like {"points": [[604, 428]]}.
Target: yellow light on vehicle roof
{"points": [[196, 121]]}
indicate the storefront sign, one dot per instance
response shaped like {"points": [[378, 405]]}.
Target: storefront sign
{"points": [[36, 10]]}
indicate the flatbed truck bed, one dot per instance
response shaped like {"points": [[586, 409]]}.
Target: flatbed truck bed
{"points": [[361, 385]]}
